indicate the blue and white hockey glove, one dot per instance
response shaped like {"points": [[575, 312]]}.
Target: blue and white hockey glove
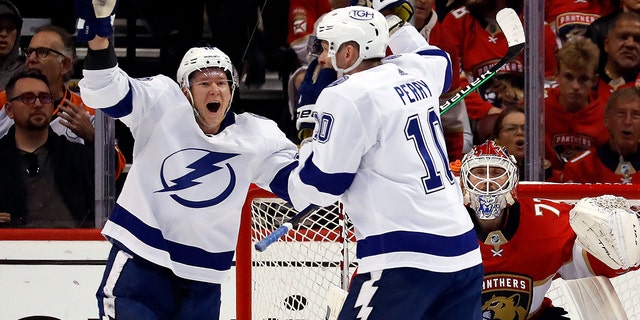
{"points": [[305, 121], [95, 17]]}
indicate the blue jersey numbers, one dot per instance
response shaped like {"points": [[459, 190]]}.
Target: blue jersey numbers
{"points": [[414, 131]]}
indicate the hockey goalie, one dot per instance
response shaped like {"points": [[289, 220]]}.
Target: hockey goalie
{"points": [[528, 242]]}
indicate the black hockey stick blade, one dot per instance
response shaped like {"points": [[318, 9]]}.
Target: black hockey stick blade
{"points": [[511, 26]]}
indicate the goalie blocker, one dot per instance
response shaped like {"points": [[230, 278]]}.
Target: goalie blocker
{"points": [[608, 229]]}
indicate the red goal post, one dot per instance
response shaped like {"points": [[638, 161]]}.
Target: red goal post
{"points": [[261, 283]]}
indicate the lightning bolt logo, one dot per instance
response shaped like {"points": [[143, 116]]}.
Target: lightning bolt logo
{"points": [[201, 167], [366, 294]]}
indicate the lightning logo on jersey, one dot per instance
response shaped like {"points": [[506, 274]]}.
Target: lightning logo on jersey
{"points": [[198, 170]]}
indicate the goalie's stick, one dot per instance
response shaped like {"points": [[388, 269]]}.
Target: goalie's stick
{"points": [[511, 26]]}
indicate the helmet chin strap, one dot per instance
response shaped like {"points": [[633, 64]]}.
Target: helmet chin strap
{"points": [[341, 71]]}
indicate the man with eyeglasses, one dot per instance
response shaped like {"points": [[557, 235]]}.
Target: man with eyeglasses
{"points": [[617, 160], [52, 52], [47, 180]]}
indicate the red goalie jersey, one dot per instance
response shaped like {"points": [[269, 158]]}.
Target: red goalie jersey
{"points": [[535, 246]]}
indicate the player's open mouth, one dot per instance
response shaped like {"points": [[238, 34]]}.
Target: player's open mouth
{"points": [[213, 106], [520, 143]]}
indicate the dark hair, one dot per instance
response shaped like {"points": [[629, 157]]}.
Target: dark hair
{"points": [[33, 74], [497, 126], [67, 42]]}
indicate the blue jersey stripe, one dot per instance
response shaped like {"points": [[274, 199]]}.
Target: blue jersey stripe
{"points": [[180, 253], [279, 184], [123, 107], [407, 241], [330, 183]]}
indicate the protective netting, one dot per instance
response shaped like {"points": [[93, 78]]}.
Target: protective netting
{"points": [[291, 277]]}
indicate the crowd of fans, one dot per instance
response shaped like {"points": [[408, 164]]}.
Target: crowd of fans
{"points": [[592, 64]]}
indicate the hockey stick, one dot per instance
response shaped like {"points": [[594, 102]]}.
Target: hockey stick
{"points": [[284, 228], [511, 26]]}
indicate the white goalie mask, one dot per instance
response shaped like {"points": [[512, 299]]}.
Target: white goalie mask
{"points": [[492, 187], [363, 25]]}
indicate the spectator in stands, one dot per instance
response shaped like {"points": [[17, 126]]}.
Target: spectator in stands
{"points": [[47, 180], [573, 114], [509, 132], [10, 26], [505, 225], [475, 42], [618, 159], [455, 122], [569, 19], [599, 29], [303, 15], [52, 51], [622, 47]]}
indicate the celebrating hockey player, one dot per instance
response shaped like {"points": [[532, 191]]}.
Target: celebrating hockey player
{"points": [[417, 253], [527, 242], [175, 225]]}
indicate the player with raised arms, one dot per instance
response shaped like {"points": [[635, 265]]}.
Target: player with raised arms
{"points": [[418, 257], [175, 225], [528, 242]]}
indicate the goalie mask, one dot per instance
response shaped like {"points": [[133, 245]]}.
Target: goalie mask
{"points": [[365, 26], [492, 186]]}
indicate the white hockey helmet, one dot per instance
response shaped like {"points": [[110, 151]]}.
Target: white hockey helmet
{"points": [[487, 195], [365, 26], [200, 58]]}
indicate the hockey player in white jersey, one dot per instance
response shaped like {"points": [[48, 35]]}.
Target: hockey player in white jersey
{"points": [[378, 146], [175, 225]]}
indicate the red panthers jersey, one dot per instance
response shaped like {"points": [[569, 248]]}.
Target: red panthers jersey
{"points": [[535, 246], [601, 165], [571, 18], [568, 134], [476, 46]]}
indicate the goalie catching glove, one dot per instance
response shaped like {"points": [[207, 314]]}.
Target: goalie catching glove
{"points": [[608, 229], [95, 17]]}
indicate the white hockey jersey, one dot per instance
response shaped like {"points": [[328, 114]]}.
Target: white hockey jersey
{"points": [[181, 204], [379, 147]]}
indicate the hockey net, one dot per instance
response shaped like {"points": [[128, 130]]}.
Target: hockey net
{"points": [[296, 277]]}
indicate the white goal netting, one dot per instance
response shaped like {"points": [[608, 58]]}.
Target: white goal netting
{"points": [[292, 277]]}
